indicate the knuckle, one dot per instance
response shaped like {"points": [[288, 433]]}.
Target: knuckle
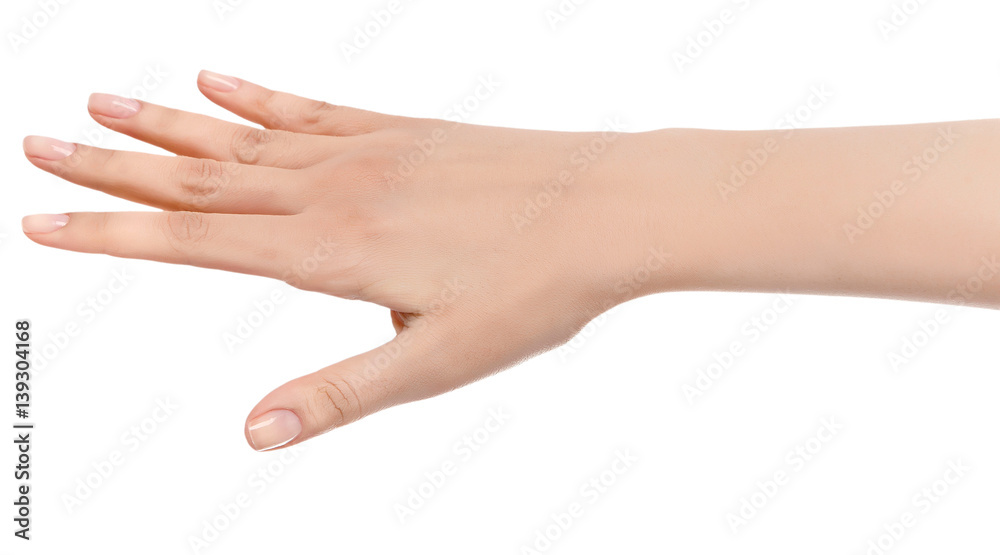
{"points": [[315, 111], [280, 117], [248, 144], [92, 161], [265, 102], [184, 229], [109, 162], [104, 233], [200, 181], [79, 160], [335, 402], [273, 110]]}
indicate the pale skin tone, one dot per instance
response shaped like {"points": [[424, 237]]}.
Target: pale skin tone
{"points": [[491, 245]]}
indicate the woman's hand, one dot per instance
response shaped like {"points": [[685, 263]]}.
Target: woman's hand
{"points": [[491, 245], [488, 245]]}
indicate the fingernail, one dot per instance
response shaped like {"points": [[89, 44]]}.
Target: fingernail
{"points": [[43, 223], [273, 429], [221, 83], [113, 106], [47, 148]]}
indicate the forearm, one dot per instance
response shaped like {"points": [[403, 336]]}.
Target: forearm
{"points": [[909, 212]]}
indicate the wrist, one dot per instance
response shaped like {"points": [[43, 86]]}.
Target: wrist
{"points": [[662, 214]]}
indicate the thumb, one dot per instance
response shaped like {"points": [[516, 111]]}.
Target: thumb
{"points": [[395, 373]]}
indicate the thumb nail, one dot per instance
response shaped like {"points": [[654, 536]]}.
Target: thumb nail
{"points": [[273, 429]]}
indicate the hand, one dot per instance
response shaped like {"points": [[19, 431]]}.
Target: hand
{"points": [[488, 245]]}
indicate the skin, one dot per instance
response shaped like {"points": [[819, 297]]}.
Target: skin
{"points": [[491, 245]]}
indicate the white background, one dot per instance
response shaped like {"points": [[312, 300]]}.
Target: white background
{"points": [[618, 389]]}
